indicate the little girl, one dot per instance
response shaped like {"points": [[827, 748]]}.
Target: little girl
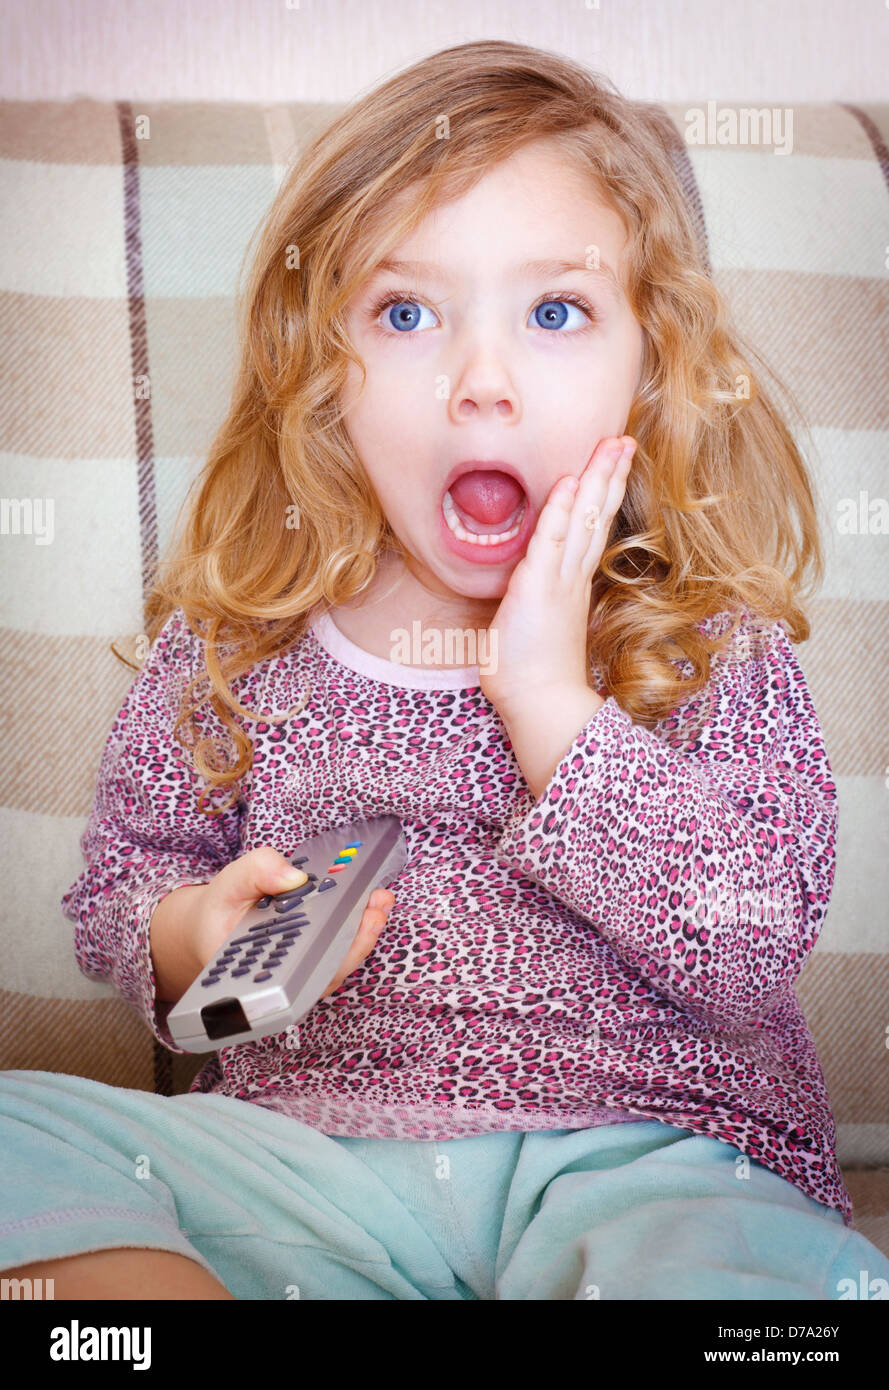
{"points": [[493, 540]]}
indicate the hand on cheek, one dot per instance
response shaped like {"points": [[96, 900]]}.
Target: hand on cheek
{"points": [[541, 623]]}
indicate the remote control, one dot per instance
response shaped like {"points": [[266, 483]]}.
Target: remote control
{"points": [[285, 951]]}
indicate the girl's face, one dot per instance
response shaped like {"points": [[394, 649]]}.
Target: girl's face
{"points": [[480, 358]]}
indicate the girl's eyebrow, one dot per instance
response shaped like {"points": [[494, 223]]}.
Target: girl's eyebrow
{"points": [[541, 269]]}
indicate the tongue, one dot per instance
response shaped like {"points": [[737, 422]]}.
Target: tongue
{"points": [[487, 496]]}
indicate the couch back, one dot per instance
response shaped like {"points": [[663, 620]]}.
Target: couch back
{"points": [[125, 230]]}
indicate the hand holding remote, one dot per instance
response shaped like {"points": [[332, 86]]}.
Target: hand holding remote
{"points": [[249, 953], [233, 891]]}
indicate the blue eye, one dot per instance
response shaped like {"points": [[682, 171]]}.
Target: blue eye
{"points": [[404, 313], [550, 312]]}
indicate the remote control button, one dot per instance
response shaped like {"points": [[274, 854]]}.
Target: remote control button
{"points": [[241, 970], [295, 919], [208, 980], [302, 859], [263, 902], [304, 887], [261, 934], [343, 859], [284, 903], [263, 975], [354, 844], [251, 936], [287, 930], [328, 883]]}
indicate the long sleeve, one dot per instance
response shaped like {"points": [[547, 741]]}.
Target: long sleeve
{"points": [[145, 835], [707, 864]]}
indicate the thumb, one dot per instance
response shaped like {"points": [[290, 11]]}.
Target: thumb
{"points": [[255, 874]]}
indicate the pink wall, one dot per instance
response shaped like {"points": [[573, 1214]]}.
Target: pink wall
{"points": [[329, 50]]}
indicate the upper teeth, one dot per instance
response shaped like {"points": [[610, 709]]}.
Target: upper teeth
{"points": [[450, 515]]}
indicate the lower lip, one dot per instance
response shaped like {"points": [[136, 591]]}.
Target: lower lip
{"points": [[500, 554]]}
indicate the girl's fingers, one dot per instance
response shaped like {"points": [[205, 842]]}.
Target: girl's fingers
{"points": [[588, 514], [373, 920], [546, 544], [597, 503], [571, 529]]}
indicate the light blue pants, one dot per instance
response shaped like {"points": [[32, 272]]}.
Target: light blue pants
{"points": [[277, 1210]]}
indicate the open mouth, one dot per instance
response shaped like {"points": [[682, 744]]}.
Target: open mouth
{"points": [[485, 507]]}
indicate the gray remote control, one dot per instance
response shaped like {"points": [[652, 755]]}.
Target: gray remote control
{"points": [[286, 950]]}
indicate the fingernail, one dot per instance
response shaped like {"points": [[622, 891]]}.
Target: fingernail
{"points": [[292, 875]]}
